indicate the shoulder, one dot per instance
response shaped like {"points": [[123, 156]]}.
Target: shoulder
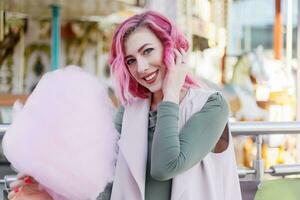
{"points": [[216, 99], [215, 106], [197, 98], [207, 95]]}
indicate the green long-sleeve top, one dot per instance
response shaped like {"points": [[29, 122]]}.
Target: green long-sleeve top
{"points": [[171, 153]]}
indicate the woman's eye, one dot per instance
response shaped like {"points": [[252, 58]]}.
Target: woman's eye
{"points": [[147, 51], [130, 61]]}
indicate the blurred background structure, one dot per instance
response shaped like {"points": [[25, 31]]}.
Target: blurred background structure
{"points": [[248, 49]]}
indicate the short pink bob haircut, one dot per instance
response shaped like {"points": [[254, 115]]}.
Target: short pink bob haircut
{"points": [[168, 34]]}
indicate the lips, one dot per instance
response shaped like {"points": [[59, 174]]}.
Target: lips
{"points": [[150, 78]]}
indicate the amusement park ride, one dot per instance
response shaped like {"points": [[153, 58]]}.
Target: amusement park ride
{"points": [[101, 17]]}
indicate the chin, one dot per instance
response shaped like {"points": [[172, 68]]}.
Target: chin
{"points": [[155, 88]]}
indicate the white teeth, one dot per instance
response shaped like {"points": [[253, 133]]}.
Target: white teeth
{"points": [[150, 77]]}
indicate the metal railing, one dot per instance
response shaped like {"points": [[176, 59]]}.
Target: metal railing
{"points": [[3, 128], [246, 128], [264, 128], [258, 129]]}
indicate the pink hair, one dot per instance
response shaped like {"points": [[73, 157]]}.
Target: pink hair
{"points": [[168, 34]]}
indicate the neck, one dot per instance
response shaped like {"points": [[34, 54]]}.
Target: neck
{"points": [[158, 96], [156, 99]]}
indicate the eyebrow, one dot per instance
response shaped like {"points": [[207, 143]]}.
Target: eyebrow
{"points": [[139, 50]]}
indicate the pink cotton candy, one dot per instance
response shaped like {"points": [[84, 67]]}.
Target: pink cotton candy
{"points": [[64, 136]]}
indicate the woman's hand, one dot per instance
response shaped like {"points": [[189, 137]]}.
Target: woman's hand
{"points": [[175, 77], [26, 188]]}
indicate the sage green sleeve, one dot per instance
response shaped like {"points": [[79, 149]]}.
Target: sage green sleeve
{"points": [[173, 152], [119, 119]]}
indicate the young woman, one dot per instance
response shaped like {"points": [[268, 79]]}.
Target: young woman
{"points": [[174, 138]]}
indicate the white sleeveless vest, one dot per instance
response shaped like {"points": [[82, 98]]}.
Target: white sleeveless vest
{"points": [[213, 178]]}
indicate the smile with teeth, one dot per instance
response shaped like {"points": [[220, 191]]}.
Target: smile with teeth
{"points": [[151, 77]]}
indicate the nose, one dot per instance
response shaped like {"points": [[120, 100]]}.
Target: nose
{"points": [[142, 65]]}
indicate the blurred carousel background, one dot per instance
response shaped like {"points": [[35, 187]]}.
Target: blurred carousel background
{"points": [[247, 49]]}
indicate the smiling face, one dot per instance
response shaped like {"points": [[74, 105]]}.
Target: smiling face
{"points": [[144, 58]]}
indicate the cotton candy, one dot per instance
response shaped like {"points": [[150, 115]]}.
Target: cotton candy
{"points": [[64, 135]]}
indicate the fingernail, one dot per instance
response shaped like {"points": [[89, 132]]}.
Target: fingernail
{"points": [[16, 190], [28, 180]]}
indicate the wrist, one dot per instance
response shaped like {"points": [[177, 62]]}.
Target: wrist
{"points": [[172, 98]]}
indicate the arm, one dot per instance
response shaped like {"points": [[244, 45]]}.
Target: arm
{"points": [[119, 119], [173, 152]]}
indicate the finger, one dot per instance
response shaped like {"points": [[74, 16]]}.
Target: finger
{"points": [[13, 193], [178, 57], [16, 184], [182, 51], [29, 180], [183, 74], [184, 55], [21, 175], [188, 70], [33, 187], [22, 182], [26, 178]]}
